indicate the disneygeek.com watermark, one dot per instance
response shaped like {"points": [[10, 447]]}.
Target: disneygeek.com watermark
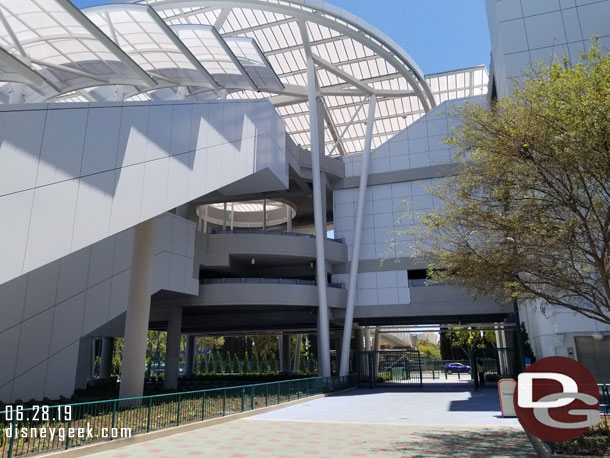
{"points": [[63, 433]]}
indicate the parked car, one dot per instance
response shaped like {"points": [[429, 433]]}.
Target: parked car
{"points": [[451, 368]]}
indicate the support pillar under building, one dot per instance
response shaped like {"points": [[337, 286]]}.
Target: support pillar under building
{"points": [[297, 354], [172, 349], [367, 339], [377, 339], [138, 311], [285, 353], [106, 359], [189, 355], [359, 335], [338, 342]]}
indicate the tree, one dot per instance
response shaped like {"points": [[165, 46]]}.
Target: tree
{"points": [[527, 348], [463, 340], [428, 349], [527, 214]]}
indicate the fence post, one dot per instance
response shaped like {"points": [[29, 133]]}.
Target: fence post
{"points": [[67, 436], [243, 395], [149, 412], [421, 375], [224, 402], [267, 395], [306, 387], [289, 392], [113, 416], [251, 397], [203, 407], [278, 392], [179, 403], [13, 434]]}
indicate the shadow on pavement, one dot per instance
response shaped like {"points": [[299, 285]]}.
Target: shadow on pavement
{"points": [[486, 442]]}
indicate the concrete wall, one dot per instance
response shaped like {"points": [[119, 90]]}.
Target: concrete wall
{"points": [[74, 174], [265, 295], [48, 313], [216, 249], [552, 330], [524, 32], [394, 206]]}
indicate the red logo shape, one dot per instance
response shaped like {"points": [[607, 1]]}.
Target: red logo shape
{"points": [[557, 399]]}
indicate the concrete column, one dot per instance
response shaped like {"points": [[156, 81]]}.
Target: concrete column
{"points": [[338, 342], [189, 355], [224, 217], [289, 216], [138, 311], [367, 339], [264, 214], [377, 339], [172, 349], [285, 353], [107, 351], [359, 339], [297, 354]]}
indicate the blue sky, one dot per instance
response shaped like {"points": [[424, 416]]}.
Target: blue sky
{"points": [[439, 35]]}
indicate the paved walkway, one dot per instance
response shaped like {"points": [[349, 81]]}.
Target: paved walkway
{"points": [[392, 423]]}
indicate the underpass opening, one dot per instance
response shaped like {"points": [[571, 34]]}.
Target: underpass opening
{"points": [[389, 368]]}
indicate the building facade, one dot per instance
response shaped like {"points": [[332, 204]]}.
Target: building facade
{"points": [[177, 167]]}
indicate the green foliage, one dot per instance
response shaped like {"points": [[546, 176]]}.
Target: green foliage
{"points": [[527, 214], [527, 348], [428, 349], [459, 343], [445, 347], [247, 364]]}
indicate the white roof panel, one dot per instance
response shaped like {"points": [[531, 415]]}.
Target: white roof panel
{"points": [[214, 53], [57, 41], [143, 35], [254, 62], [250, 48]]}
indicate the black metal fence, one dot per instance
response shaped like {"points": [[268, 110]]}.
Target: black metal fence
{"points": [[389, 367], [492, 364]]}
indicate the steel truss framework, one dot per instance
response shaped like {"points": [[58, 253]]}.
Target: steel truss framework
{"points": [[205, 49]]}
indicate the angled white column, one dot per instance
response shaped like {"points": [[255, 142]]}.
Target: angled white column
{"points": [[189, 355], [320, 224], [172, 349], [353, 272], [106, 359], [138, 311]]}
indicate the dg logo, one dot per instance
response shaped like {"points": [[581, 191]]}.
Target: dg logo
{"points": [[557, 399]]}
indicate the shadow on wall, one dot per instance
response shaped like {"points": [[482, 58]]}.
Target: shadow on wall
{"points": [[95, 143]]}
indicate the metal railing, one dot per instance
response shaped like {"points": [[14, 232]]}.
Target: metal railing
{"points": [[108, 420], [260, 231], [604, 397], [265, 281]]}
